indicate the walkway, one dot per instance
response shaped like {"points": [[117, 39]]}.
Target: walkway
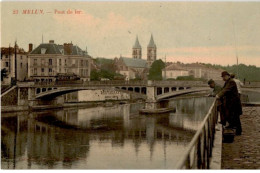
{"points": [[244, 152]]}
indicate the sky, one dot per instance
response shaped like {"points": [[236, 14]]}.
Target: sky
{"points": [[207, 32]]}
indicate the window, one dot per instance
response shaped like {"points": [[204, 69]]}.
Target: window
{"points": [[81, 62], [21, 65], [50, 70], [35, 71], [6, 56], [50, 61], [60, 62], [42, 61], [21, 57], [42, 70], [60, 70], [35, 62], [65, 62], [6, 64]]}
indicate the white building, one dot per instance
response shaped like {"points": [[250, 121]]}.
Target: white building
{"points": [[8, 63], [173, 71]]}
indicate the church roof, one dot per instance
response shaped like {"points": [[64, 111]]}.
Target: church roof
{"points": [[50, 49], [151, 43], [137, 44], [133, 62]]}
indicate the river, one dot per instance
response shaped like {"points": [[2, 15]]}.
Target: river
{"points": [[115, 137]]}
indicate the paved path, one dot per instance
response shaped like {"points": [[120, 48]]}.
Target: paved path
{"points": [[244, 152]]}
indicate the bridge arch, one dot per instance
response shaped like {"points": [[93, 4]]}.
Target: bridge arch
{"points": [[130, 89], [143, 90], [173, 88], [137, 89], [159, 91], [166, 90], [181, 88]]}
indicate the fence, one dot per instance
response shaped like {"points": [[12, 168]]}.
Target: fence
{"points": [[129, 83], [199, 151]]}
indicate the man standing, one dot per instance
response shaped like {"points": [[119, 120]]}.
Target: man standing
{"points": [[231, 102], [238, 83], [216, 89]]}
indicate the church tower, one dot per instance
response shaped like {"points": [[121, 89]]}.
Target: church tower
{"points": [[151, 52], [137, 49]]}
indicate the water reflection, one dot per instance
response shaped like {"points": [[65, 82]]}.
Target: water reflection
{"points": [[98, 138]]}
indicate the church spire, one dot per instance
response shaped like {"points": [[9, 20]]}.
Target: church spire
{"points": [[137, 44], [151, 43], [151, 51], [137, 49]]}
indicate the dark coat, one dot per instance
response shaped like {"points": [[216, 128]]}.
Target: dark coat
{"points": [[231, 101]]}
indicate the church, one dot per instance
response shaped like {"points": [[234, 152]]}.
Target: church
{"points": [[136, 67]]}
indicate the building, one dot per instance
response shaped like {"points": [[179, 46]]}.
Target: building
{"points": [[49, 59], [137, 49], [199, 70], [8, 63], [151, 51], [173, 71], [131, 68]]}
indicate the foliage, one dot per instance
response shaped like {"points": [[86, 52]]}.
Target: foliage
{"points": [[105, 64], [94, 75], [247, 72], [97, 75], [155, 72], [107, 70]]}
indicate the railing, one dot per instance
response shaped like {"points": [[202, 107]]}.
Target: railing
{"points": [[199, 151], [129, 83]]}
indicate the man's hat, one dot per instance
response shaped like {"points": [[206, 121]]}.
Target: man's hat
{"points": [[210, 81], [224, 73], [232, 75]]}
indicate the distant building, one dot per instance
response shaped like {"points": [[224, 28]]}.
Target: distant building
{"points": [[131, 68], [199, 70], [151, 51], [49, 59], [137, 49], [173, 71], [8, 62]]}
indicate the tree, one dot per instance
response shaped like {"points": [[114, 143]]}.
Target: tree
{"points": [[155, 72], [94, 75], [3, 74]]}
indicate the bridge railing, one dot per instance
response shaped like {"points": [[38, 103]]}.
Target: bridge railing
{"points": [[125, 83], [199, 151]]}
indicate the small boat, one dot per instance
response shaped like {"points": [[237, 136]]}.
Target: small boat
{"points": [[156, 111]]}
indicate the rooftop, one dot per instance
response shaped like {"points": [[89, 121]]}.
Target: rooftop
{"points": [[132, 62]]}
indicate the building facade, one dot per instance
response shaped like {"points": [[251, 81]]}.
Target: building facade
{"points": [[8, 63], [173, 71], [49, 59], [131, 68]]}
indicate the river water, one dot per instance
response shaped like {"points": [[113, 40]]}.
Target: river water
{"points": [[115, 137]]}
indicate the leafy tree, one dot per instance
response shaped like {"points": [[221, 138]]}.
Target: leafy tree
{"points": [[94, 75], [155, 72], [247, 72]]}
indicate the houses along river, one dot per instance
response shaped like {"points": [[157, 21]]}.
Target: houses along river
{"points": [[115, 137]]}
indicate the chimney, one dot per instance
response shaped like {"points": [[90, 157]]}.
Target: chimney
{"points": [[30, 47], [68, 48], [51, 41]]}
